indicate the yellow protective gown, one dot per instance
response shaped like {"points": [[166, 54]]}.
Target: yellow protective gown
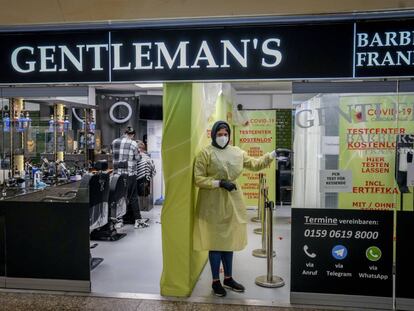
{"points": [[220, 217]]}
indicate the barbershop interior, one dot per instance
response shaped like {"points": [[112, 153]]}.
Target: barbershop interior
{"points": [[56, 141]]}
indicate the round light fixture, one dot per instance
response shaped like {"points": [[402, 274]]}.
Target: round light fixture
{"points": [[117, 104]]}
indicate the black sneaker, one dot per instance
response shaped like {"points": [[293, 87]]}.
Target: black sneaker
{"points": [[233, 285], [218, 289]]}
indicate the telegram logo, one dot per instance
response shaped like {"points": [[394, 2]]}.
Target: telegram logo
{"points": [[339, 252]]}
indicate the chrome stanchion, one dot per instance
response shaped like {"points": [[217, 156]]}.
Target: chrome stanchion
{"points": [[257, 218], [262, 252], [261, 207], [269, 280]]}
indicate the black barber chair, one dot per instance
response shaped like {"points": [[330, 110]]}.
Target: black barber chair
{"points": [[117, 205], [98, 196], [97, 185], [98, 201]]}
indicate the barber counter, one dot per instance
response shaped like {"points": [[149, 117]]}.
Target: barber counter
{"points": [[45, 234], [44, 243]]}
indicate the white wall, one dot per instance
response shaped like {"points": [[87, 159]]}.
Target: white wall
{"points": [[282, 101], [154, 139], [265, 101]]}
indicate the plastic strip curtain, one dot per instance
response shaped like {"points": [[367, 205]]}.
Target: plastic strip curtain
{"points": [[307, 159]]}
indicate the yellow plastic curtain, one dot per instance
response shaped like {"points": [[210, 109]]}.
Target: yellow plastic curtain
{"points": [[183, 136]]}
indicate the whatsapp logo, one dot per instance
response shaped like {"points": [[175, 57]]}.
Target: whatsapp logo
{"points": [[373, 253]]}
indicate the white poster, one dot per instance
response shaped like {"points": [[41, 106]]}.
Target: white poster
{"points": [[335, 181], [154, 139]]}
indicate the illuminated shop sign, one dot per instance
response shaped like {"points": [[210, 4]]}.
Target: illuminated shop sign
{"points": [[340, 50], [141, 56], [384, 49]]}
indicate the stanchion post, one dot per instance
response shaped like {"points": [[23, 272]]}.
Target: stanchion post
{"points": [[264, 227], [259, 203], [269, 239], [269, 280], [262, 252], [262, 203]]}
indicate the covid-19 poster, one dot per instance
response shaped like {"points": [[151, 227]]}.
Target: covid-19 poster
{"points": [[370, 129], [257, 136]]}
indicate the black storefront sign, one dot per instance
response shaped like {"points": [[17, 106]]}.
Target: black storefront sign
{"points": [[342, 257], [384, 49], [404, 262], [272, 51], [283, 52]]}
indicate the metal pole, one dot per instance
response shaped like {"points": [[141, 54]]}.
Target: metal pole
{"points": [[262, 252], [262, 201], [12, 125], [257, 218], [264, 225], [269, 280], [269, 238], [85, 147]]}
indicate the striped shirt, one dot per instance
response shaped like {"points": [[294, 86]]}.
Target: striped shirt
{"points": [[145, 167], [125, 149]]}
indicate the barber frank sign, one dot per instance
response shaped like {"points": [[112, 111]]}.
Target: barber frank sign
{"points": [[384, 49]]}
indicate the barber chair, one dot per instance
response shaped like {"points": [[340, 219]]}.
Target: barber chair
{"points": [[97, 185], [118, 192], [98, 196], [98, 201]]}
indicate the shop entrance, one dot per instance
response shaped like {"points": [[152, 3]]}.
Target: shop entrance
{"points": [[134, 264]]}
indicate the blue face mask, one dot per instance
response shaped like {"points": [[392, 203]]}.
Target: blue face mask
{"points": [[222, 141]]}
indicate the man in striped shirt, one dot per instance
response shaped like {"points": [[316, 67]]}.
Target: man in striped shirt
{"points": [[126, 149]]}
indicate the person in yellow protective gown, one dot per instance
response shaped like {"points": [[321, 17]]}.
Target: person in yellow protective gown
{"points": [[220, 217]]}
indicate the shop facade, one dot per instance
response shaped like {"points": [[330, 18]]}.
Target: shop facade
{"points": [[358, 70]]}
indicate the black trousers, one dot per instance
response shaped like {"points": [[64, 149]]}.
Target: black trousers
{"points": [[133, 211], [143, 186]]}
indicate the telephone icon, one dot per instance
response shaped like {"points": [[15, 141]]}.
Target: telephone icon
{"points": [[373, 253], [307, 252]]}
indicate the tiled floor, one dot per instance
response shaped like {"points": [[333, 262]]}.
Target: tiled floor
{"points": [[134, 263], [47, 302], [247, 267]]}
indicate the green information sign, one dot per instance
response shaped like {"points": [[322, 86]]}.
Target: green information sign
{"points": [[257, 137], [369, 129]]}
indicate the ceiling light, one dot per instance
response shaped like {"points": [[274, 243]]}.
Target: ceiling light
{"points": [[149, 85]]}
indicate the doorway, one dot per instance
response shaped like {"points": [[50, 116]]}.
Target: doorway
{"points": [[134, 264]]}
